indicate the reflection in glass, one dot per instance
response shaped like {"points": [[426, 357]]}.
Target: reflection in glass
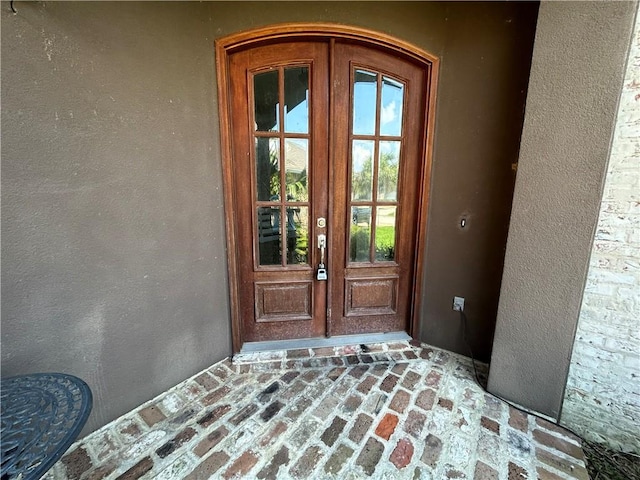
{"points": [[265, 100], [360, 234], [297, 235], [268, 169], [391, 109], [364, 103], [269, 235], [389, 159], [362, 169], [296, 164], [296, 100], [385, 234]]}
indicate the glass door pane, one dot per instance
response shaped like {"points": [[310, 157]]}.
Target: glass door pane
{"points": [[392, 99], [266, 105], [362, 169], [269, 236], [296, 154], [296, 99], [385, 234], [267, 169], [388, 165], [360, 236], [365, 91]]}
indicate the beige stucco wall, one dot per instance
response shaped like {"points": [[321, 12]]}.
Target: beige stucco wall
{"points": [[576, 77], [602, 399]]}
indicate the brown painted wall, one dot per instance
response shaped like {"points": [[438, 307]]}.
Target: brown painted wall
{"points": [[483, 87], [113, 234], [576, 79], [113, 264]]}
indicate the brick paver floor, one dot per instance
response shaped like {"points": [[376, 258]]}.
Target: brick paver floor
{"points": [[388, 411]]}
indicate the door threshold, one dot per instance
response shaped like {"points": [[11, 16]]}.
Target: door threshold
{"points": [[337, 341]]}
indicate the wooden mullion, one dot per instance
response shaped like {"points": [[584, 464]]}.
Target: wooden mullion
{"points": [[333, 269], [283, 179], [364, 137], [376, 154]]}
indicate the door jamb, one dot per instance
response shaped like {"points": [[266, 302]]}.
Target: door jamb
{"points": [[227, 45]]}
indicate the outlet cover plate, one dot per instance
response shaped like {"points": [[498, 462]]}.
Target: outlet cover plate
{"points": [[458, 304]]}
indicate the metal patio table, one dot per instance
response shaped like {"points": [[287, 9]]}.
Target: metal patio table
{"points": [[42, 414]]}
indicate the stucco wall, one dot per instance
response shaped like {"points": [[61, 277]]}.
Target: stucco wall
{"points": [[602, 399], [113, 264], [113, 235], [576, 76]]}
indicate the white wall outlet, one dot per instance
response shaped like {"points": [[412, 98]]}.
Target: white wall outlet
{"points": [[458, 304]]}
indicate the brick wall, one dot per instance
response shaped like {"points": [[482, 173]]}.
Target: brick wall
{"points": [[602, 399]]}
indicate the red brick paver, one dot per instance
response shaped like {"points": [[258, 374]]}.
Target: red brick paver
{"points": [[387, 426], [402, 454]]}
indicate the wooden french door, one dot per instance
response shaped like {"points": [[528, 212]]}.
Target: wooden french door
{"points": [[379, 131], [326, 176]]}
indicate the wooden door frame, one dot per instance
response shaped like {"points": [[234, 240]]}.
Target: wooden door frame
{"points": [[227, 45]]}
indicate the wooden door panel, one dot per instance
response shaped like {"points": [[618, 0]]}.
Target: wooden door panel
{"points": [[370, 292], [279, 302], [278, 295], [371, 296]]}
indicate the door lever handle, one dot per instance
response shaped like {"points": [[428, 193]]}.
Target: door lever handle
{"points": [[322, 245]]}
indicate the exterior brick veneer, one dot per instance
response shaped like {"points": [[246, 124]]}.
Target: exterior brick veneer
{"points": [[602, 399]]}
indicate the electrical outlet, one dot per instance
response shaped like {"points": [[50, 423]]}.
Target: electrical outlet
{"points": [[458, 304]]}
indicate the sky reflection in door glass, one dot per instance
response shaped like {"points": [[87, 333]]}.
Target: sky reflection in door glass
{"points": [[296, 100], [364, 102], [391, 110]]}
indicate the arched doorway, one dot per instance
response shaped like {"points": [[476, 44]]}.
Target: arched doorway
{"points": [[326, 135]]}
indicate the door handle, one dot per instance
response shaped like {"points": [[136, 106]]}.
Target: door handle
{"points": [[322, 245]]}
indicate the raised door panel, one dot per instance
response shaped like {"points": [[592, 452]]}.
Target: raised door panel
{"points": [[376, 296], [278, 302]]}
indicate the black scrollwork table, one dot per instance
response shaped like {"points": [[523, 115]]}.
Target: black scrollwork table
{"points": [[42, 414]]}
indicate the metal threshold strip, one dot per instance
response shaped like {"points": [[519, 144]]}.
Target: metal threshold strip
{"points": [[337, 341]]}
